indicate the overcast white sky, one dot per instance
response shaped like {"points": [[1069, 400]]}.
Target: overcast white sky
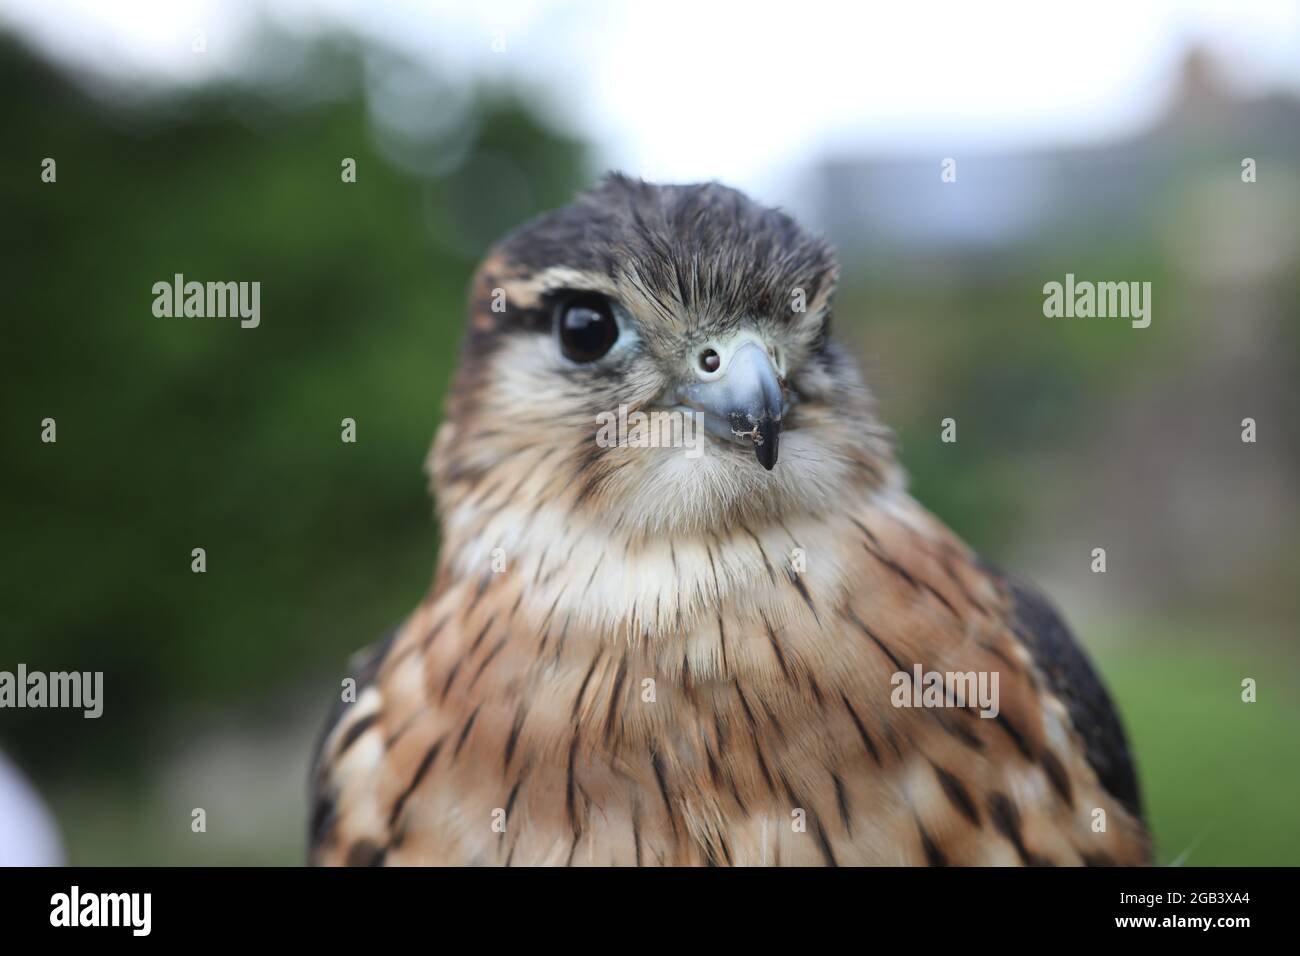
{"points": [[745, 92]]}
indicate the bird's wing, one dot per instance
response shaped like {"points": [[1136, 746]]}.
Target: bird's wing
{"points": [[323, 790], [1071, 677]]}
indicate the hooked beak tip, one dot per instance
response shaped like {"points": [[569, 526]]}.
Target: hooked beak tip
{"points": [[764, 433], [748, 397]]}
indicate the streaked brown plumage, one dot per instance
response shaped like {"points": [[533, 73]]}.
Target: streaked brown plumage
{"points": [[651, 678]]}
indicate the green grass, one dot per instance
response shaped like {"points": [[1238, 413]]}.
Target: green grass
{"points": [[1220, 777]]}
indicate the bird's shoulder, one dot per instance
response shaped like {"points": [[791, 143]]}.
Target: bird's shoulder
{"points": [[1071, 677]]}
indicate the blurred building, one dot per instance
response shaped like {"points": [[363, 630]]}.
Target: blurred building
{"points": [[1089, 192], [1140, 444]]}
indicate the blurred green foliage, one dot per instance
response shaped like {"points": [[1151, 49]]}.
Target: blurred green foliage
{"points": [[178, 433]]}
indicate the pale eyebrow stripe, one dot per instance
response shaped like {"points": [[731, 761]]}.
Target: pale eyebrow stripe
{"points": [[528, 291]]}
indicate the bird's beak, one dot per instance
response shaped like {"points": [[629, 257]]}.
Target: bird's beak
{"points": [[744, 402]]}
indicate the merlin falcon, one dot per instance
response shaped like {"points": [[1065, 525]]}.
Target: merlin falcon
{"points": [[631, 656]]}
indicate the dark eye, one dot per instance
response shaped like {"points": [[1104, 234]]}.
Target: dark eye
{"points": [[587, 327]]}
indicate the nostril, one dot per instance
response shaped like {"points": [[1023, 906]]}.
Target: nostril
{"points": [[710, 360]]}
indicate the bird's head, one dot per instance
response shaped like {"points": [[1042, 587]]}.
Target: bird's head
{"points": [[661, 355]]}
